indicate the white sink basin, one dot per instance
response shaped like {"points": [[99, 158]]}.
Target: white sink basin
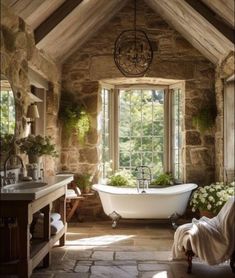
{"points": [[32, 190], [25, 185]]}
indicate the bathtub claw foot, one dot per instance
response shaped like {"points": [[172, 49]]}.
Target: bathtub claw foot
{"points": [[115, 217], [114, 224], [173, 218]]}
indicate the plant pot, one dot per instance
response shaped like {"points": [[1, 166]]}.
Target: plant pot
{"points": [[207, 213], [33, 158]]}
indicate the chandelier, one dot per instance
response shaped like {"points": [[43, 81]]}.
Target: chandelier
{"points": [[133, 53]]}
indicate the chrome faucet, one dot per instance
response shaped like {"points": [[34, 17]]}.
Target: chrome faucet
{"points": [[9, 178], [143, 177]]}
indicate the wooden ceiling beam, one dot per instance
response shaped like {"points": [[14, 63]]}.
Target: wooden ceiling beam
{"points": [[194, 28], [55, 18], [213, 18], [224, 8]]}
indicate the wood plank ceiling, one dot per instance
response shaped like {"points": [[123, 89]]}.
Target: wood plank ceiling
{"points": [[62, 26]]}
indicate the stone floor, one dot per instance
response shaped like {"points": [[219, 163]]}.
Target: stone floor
{"points": [[134, 249]]}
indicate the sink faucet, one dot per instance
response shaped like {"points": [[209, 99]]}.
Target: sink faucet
{"points": [[143, 177], [9, 178]]}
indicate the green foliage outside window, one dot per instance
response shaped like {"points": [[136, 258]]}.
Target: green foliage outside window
{"points": [[141, 129], [7, 112]]}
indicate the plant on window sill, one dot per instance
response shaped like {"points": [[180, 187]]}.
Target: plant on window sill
{"points": [[122, 178], [164, 179]]}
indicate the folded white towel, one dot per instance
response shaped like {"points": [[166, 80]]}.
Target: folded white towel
{"points": [[56, 226], [71, 193], [53, 217]]}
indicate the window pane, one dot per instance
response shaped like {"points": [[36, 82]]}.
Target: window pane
{"points": [[177, 134], [146, 119], [104, 121], [124, 159], [7, 112]]}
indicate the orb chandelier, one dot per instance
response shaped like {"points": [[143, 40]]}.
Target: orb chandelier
{"points": [[133, 53]]}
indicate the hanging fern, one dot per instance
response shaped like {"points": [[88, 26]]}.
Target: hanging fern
{"points": [[83, 126], [74, 118], [205, 119]]}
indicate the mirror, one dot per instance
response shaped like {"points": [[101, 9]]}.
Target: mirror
{"points": [[7, 117]]}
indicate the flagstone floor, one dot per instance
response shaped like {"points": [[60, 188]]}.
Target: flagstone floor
{"points": [[134, 249]]}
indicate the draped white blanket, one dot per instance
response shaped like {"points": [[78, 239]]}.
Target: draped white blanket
{"points": [[212, 240]]}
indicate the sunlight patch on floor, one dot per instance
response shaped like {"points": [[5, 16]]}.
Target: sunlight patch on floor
{"points": [[99, 240], [162, 274]]}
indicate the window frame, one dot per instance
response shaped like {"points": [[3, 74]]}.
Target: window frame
{"points": [[168, 131]]}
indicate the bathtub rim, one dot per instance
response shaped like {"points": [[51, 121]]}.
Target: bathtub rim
{"points": [[191, 187]]}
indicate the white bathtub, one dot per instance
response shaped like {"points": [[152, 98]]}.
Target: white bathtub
{"points": [[156, 203]]}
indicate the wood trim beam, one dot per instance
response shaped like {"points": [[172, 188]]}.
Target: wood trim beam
{"points": [[213, 18], [56, 17]]}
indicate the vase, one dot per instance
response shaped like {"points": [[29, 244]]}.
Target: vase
{"points": [[33, 158], [207, 213]]}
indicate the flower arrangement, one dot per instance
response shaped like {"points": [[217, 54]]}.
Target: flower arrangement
{"points": [[212, 197], [37, 145], [122, 178]]}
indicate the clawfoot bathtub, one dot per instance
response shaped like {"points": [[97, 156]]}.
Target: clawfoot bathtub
{"points": [[155, 203]]}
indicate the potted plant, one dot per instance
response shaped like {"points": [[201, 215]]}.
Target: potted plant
{"points": [[210, 199], [36, 146], [122, 178], [84, 182], [75, 119], [162, 180]]}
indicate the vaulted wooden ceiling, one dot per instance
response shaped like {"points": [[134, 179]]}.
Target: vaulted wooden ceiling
{"points": [[62, 26]]}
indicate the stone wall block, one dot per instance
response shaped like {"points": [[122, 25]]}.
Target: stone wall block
{"points": [[5, 61], [90, 87], [203, 176], [21, 40], [8, 19], [89, 155], [209, 139], [201, 156], [92, 137], [90, 103], [193, 138]]}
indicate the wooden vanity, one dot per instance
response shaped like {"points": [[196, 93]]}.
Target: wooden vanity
{"points": [[22, 204]]}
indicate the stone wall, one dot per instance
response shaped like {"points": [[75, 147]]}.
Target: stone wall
{"points": [[174, 58], [18, 52], [223, 71]]}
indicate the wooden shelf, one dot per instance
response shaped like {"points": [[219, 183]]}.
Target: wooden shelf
{"points": [[57, 236], [36, 246], [31, 253]]}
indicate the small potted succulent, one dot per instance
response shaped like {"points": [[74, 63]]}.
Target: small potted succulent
{"points": [[211, 198]]}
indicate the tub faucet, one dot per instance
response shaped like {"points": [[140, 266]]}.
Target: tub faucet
{"points": [[143, 177]]}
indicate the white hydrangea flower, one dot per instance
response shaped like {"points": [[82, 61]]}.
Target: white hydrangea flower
{"points": [[209, 206]]}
